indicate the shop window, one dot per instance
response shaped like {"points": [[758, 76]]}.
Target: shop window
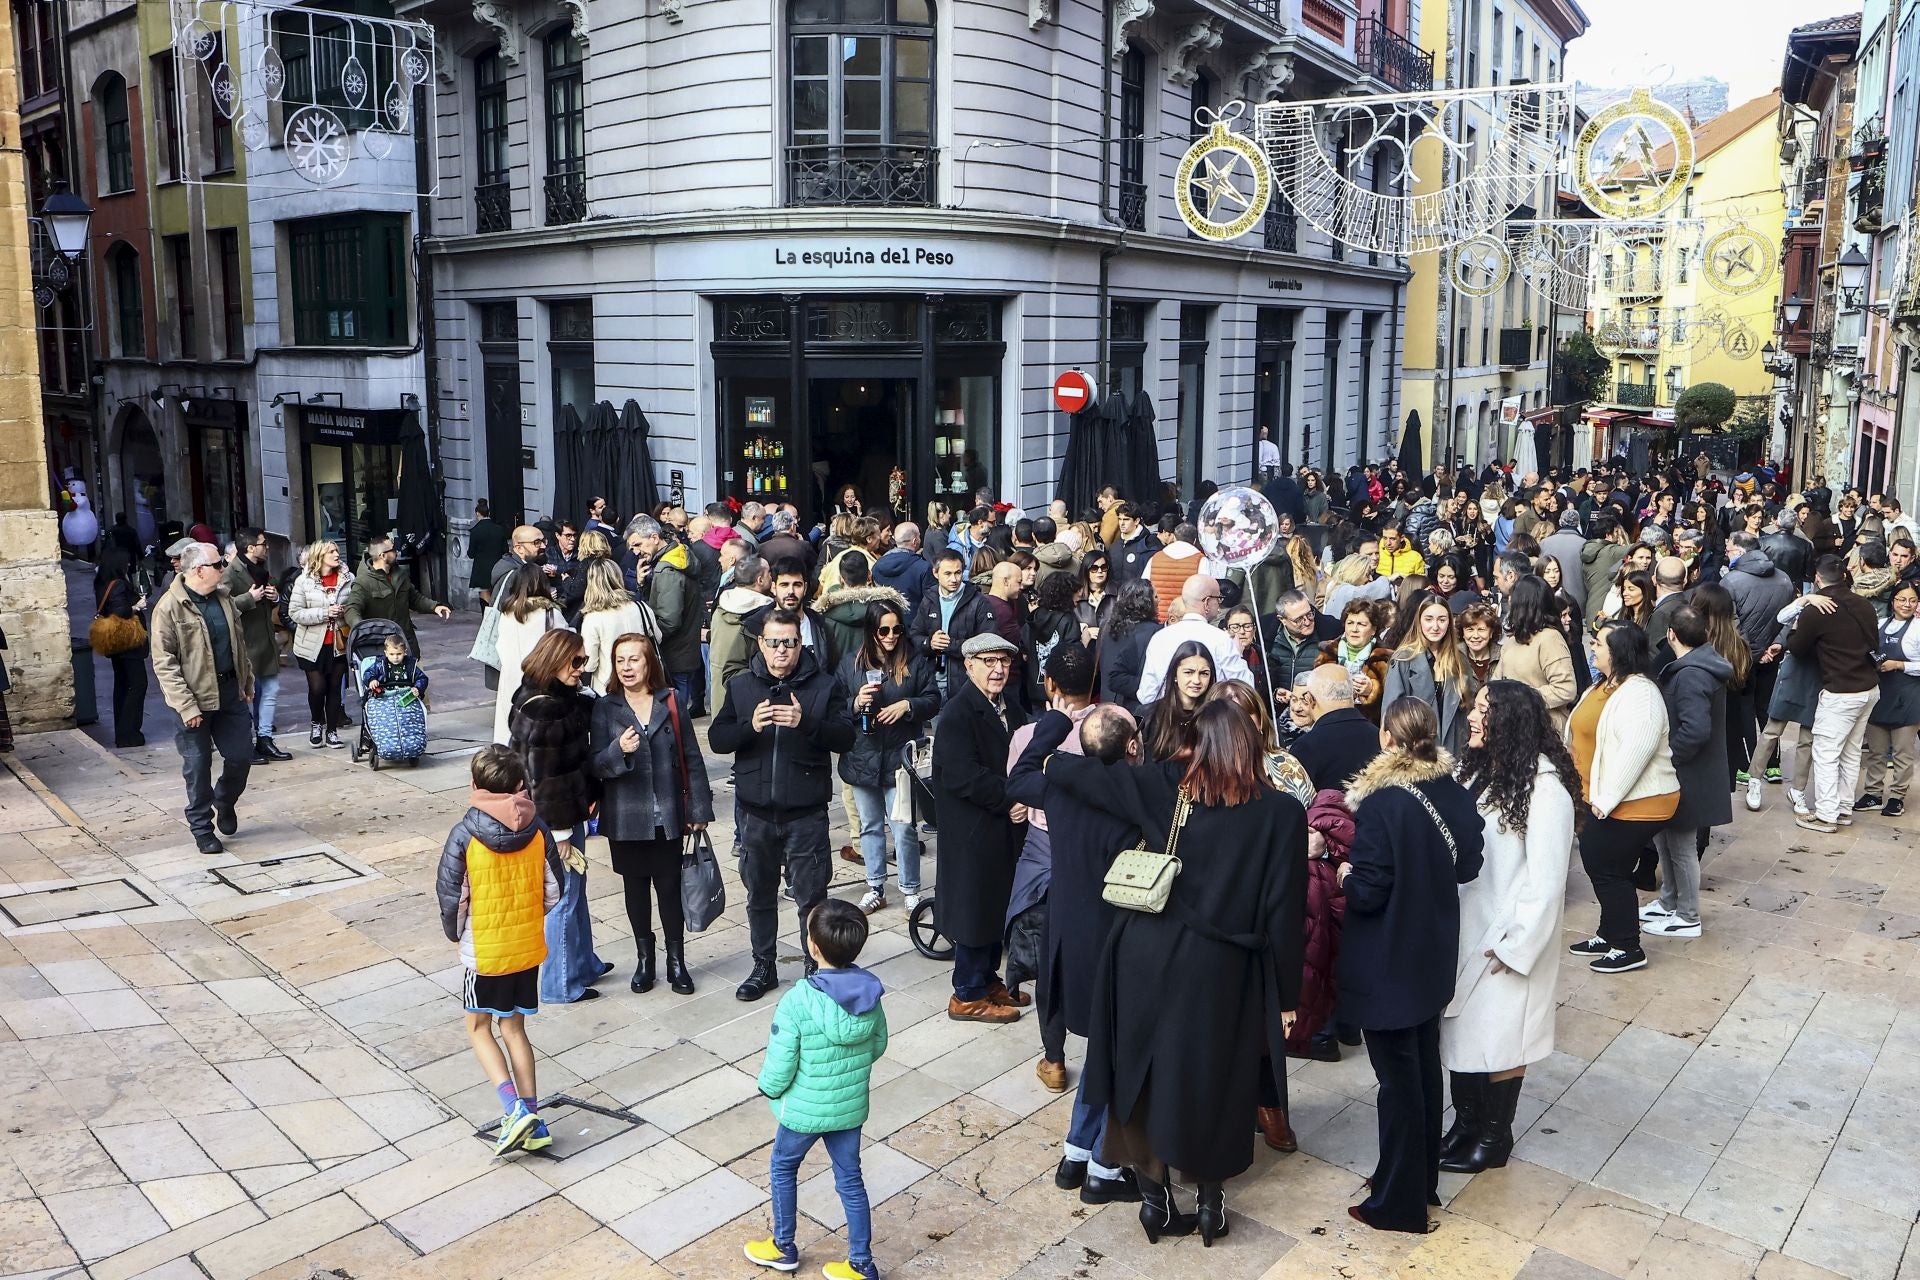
{"points": [[566, 181], [1191, 407], [180, 252], [166, 90], [350, 280], [1273, 377], [1369, 329], [129, 318], [493, 193], [570, 351], [233, 292], [1127, 346], [861, 98], [1131, 189], [1331, 382], [116, 132]]}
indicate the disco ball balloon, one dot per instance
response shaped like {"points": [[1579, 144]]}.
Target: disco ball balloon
{"points": [[1238, 527]]}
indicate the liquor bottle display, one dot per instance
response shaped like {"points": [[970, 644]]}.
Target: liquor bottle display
{"points": [[765, 450]]}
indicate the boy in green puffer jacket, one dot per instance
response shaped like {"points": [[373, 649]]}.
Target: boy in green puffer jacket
{"points": [[827, 1033]]}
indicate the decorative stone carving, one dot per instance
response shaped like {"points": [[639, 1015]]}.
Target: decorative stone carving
{"points": [[1039, 11], [1266, 75], [444, 62], [1191, 47], [670, 10], [578, 8], [498, 18], [1127, 16]]}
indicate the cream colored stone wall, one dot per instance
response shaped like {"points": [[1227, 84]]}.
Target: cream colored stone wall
{"points": [[33, 590]]}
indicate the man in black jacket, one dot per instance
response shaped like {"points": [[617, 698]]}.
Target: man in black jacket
{"points": [[1841, 632], [783, 719], [1341, 741], [1297, 631], [951, 613], [1695, 687], [1790, 553]]}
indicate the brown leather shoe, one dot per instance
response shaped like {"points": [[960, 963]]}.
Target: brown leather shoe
{"points": [[979, 1011], [1276, 1130], [999, 994], [1052, 1074], [850, 854]]}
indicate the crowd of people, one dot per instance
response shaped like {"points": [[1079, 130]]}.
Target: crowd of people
{"points": [[1371, 759]]}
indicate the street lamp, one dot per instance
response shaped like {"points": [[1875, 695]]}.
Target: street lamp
{"points": [[67, 218], [1792, 309], [1853, 274]]}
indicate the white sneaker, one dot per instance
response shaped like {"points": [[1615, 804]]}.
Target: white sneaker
{"points": [[1654, 911], [873, 901], [1756, 788], [1672, 927], [1801, 809], [910, 901]]}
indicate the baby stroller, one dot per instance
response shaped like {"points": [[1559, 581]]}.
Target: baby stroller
{"points": [[393, 726]]}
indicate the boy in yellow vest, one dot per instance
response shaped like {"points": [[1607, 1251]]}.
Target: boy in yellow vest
{"points": [[496, 884]]}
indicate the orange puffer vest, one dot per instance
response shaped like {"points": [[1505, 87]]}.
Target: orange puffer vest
{"points": [[506, 913]]}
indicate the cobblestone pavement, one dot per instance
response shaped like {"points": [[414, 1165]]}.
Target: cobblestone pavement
{"points": [[252, 1064]]}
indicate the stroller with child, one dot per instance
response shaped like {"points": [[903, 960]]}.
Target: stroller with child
{"points": [[393, 723]]}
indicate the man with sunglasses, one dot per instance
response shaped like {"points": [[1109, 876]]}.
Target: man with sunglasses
{"points": [[200, 662], [782, 720], [383, 589]]}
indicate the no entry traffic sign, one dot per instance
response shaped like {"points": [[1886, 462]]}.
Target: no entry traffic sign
{"points": [[1073, 391]]}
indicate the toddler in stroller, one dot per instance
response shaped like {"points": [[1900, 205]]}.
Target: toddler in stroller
{"points": [[393, 694]]}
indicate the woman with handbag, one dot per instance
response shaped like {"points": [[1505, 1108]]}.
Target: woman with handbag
{"points": [[1169, 1058], [550, 727], [527, 611], [653, 791], [119, 634], [889, 715], [1416, 838], [315, 606]]}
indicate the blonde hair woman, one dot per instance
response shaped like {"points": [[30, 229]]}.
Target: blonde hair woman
{"points": [[527, 612], [1428, 666], [607, 612], [315, 606], [1306, 566]]}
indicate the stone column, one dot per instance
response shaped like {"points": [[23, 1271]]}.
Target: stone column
{"points": [[33, 589]]}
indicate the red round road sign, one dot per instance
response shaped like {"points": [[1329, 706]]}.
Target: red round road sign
{"points": [[1073, 391]]}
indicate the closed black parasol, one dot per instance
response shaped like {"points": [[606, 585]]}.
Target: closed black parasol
{"points": [[1087, 464], [1411, 464], [418, 508], [635, 489], [1141, 481]]}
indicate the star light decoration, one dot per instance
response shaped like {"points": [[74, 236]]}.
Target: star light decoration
{"points": [[1224, 169]]}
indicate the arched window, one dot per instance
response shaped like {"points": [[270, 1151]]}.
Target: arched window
{"points": [[129, 317], [861, 102], [116, 132]]}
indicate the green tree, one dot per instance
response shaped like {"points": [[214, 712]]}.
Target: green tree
{"points": [[1586, 373], [1703, 405]]}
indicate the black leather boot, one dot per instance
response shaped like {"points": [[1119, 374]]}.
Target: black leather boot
{"points": [[643, 966], [1159, 1213], [1494, 1133], [1212, 1218], [677, 976], [1466, 1089]]}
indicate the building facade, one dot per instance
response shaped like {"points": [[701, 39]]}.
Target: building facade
{"points": [[1466, 355], [819, 239]]}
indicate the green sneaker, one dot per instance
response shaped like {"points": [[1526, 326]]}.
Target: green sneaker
{"points": [[1740, 777], [1773, 775], [514, 1128]]}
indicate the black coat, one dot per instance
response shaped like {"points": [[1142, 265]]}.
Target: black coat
{"points": [[1790, 553], [873, 757], [1695, 687], [486, 544], [1122, 662], [971, 617], [642, 791], [979, 843], [550, 729], [1400, 943], [779, 770], [1182, 998], [1084, 838], [1340, 744]]}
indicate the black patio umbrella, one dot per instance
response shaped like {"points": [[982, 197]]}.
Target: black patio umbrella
{"points": [[417, 505], [1084, 462], [1410, 461], [1141, 480], [634, 478], [579, 447]]}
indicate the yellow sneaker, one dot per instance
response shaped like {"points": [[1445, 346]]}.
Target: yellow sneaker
{"points": [[847, 1271], [768, 1254]]}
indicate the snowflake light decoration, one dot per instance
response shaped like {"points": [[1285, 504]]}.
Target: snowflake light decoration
{"points": [[318, 145]]}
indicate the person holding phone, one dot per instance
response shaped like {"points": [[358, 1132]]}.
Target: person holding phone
{"points": [[894, 698]]}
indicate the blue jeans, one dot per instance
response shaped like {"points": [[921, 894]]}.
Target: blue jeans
{"points": [[683, 683], [974, 970], [843, 1148], [266, 700], [228, 731], [571, 965], [874, 803], [1086, 1130]]}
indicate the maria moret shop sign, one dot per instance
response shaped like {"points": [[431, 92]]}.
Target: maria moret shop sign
{"points": [[355, 426]]}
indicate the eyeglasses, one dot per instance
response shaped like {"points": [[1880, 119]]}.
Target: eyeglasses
{"points": [[996, 660], [579, 662], [1246, 627], [782, 642], [888, 631], [1298, 619]]}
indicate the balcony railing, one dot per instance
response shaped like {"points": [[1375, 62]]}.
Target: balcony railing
{"points": [[1132, 209], [1271, 10], [1516, 346], [1390, 57], [493, 203], [1869, 195], [1638, 395], [870, 176], [1281, 227], [1641, 338], [566, 197]]}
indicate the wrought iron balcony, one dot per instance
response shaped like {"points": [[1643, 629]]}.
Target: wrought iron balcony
{"points": [[1869, 195], [1390, 57], [566, 197], [1281, 227], [1516, 346], [1637, 395], [493, 203], [1132, 208], [872, 176], [1271, 10]]}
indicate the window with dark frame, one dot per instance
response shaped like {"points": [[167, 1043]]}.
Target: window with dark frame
{"points": [[232, 294], [38, 32], [116, 130], [316, 47], [166, 87], [350, 280], [566, 102], [180, 253], [493, 190], [129, 317], [861, 102], [1132, 186], [219, 119], [570, 354]]}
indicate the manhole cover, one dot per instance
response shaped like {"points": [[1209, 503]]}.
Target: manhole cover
{"points": [[576, 1127], [297, 871], [72, 902]]}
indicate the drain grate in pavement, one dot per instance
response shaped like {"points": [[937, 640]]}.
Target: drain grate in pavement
{"points": [[576, 1127], [72, 902], [296, 871]]}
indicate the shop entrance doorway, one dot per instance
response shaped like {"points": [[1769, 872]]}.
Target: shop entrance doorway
{"points": [[861, 429]]}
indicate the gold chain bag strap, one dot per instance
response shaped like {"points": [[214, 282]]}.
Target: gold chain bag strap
{"points": [[1142, 880]]}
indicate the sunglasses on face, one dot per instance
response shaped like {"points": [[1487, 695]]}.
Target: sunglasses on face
{"points": [[783, 642], [579, 663], [888, 631]]}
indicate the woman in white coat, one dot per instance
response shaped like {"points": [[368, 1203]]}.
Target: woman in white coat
{"points": [[527, 612], [1524, 782], [314, 606]]}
